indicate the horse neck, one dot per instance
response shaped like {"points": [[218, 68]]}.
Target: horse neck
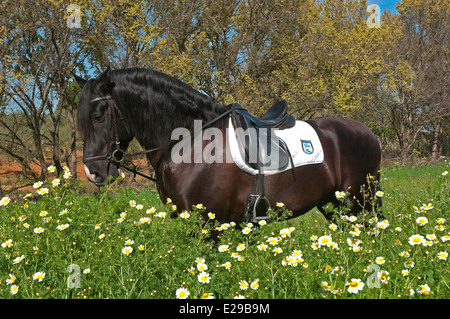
{"points": [[153, 119]]}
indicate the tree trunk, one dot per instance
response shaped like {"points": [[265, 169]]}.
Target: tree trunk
{"points": [[36, 131], [436, 150], [56, 157], [73, 139]]}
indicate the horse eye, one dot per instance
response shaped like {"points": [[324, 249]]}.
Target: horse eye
{"points": [[98, 118]]}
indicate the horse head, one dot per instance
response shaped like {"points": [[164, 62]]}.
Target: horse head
{"points": [[102, 127]]}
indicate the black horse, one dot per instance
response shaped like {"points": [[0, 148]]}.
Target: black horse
{"points": [[123, 104]]}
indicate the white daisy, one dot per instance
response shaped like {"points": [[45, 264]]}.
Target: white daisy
{"points": [[5, 201], [203, 277], [355, 286], [39, 276], [182, 293]]}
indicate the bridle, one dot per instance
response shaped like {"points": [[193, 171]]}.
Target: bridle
{"points": [[117, 156]]}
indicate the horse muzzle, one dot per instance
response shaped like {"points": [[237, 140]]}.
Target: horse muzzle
{"points": [[101, 179]]}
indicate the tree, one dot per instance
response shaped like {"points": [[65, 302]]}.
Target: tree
{"points": [[320, 56], [38, 54], [120, 33], [424, 50]]}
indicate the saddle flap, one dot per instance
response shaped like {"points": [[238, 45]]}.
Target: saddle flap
{"points": [[260, 146]]}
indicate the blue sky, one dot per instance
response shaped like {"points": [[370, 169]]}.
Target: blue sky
{"points": [[385, 4]]}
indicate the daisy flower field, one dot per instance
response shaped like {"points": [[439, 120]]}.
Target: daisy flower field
{"points": [[120, 242]]}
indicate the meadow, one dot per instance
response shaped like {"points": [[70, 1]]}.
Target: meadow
{"points": [[59, 242]]}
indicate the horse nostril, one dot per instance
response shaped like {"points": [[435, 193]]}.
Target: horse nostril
{"points": [[98, 179]]}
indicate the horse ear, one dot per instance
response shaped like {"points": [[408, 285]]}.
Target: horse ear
{"points": [[104, 79], [81, 82]]}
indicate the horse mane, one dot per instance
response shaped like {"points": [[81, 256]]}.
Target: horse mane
{"points": [[155, 103]]}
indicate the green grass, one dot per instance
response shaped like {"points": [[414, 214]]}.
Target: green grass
{"points": [[165, 250]]}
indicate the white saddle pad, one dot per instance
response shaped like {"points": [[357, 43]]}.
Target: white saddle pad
{"points": [[302, 141]]}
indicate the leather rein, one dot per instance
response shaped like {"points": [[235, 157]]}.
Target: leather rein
{"points": [[117, 156]]}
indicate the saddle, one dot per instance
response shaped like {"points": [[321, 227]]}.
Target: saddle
{"points": [[275, 117], [262, 149], [258, 144]]}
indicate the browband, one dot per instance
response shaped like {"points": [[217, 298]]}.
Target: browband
{"points": [[106, 97]]}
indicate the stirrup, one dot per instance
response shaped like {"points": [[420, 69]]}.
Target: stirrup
{"points": [[251, 205]]}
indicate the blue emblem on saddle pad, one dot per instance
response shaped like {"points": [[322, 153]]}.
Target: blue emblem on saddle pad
{"points": [[307, 146]]}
